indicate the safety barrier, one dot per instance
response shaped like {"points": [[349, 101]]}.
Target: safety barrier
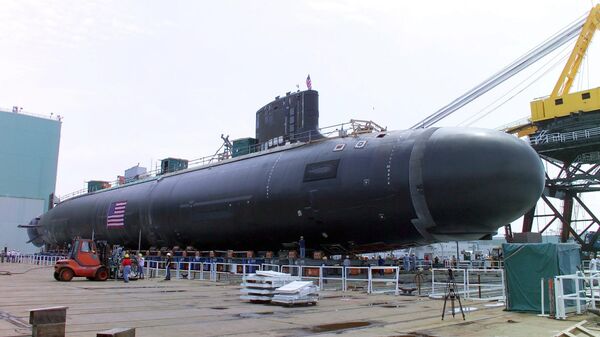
{"points": [[38, 259], [331, 278], [268, 266], [473, 284], [356, 277], [574, 292], [490, 287], [292, 269], [380, 277], [372, 279], [440, 279]]}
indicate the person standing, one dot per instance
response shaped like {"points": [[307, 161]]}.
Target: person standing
{"points": [[380, 263], [302, 245], [168, 267], [126, 268], [405, 262], [324, 268], [413, 262], [141, 265], [347, 265], [594, 264]]}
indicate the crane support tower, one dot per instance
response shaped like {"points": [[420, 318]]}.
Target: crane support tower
{"points": [[564, 128]]}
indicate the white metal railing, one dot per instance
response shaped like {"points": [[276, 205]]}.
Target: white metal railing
{"points": [[269, 266], [292, 269], [377, 275], [575, 292], [356, 276], [440, 279], [485, 289], [564, 137], [331, 278], [373, 279], [38, 259]]}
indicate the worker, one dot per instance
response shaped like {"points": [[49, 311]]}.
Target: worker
{"points": [[347, 265], [168, 267], [380, 263], [141, 265], [405, 262], [302, 245], [594, 264], [126, 268]]}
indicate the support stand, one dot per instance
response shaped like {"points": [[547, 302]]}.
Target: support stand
{"points": [[452, 295]]}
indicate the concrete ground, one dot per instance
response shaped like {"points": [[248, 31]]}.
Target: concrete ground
{"points": [[202, 308]]}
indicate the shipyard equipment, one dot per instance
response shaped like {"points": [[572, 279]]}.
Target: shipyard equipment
{"points": [[556, 112], [83, 261], [169, 165], [564, 128]]}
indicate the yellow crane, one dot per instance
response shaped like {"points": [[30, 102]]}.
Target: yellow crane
{"points": [[561, 103]]}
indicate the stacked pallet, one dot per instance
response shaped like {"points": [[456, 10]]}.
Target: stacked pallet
{"points": [[297, 292], [260, 287]]}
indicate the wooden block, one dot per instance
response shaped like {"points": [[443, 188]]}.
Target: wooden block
{"points": [[48, 330], [48, 315], [117, 332]]}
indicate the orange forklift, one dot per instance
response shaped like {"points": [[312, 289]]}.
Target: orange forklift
{"points": [[83, 261]]}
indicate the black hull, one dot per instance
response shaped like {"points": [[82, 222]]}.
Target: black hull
{"points": [[405, 188]]}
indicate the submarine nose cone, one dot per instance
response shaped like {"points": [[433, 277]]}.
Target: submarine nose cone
{"points": [[476, 180]]}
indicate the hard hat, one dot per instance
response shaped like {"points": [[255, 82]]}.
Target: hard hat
{"points": [[126, 256], [168, 254]]}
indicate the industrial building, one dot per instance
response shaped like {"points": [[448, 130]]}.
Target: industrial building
{"points": [[29, 155]]}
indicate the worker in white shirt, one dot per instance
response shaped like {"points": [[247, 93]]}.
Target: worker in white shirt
{"points": [[594, 264]]}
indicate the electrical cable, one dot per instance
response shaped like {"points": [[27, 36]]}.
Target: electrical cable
{"points": [[9, 273]]}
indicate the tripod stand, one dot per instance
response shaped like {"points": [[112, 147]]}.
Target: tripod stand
{"points": [[452, 295]]}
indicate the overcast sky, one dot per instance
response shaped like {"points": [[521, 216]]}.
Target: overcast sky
{"points": [[137, 81]]}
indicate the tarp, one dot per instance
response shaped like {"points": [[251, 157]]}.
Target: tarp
{"points": [[526, 264]]}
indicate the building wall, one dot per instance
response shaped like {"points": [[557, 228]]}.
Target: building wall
{"points": [[16, 211], [28, 162]]}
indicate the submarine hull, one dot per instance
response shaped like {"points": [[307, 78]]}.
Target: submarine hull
{"points": [[365, 193]]}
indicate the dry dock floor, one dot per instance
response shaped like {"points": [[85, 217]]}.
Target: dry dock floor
{"points": [[202, 308]]}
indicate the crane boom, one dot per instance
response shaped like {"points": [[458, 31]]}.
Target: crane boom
{"points": [[506, 73], [565, 81]]}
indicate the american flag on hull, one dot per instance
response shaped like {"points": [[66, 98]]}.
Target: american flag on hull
{"points": [[116, 214]]}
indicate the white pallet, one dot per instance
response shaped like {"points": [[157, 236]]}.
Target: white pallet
{"points": [[257, 291], [259, 285], [294, 287], [256, 298]]}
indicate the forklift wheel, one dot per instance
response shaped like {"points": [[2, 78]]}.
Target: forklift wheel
{"points": [[66, 274], [56, 276], [102, 274]]}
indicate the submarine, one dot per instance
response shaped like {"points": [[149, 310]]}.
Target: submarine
{"points": [[361, 190]]}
